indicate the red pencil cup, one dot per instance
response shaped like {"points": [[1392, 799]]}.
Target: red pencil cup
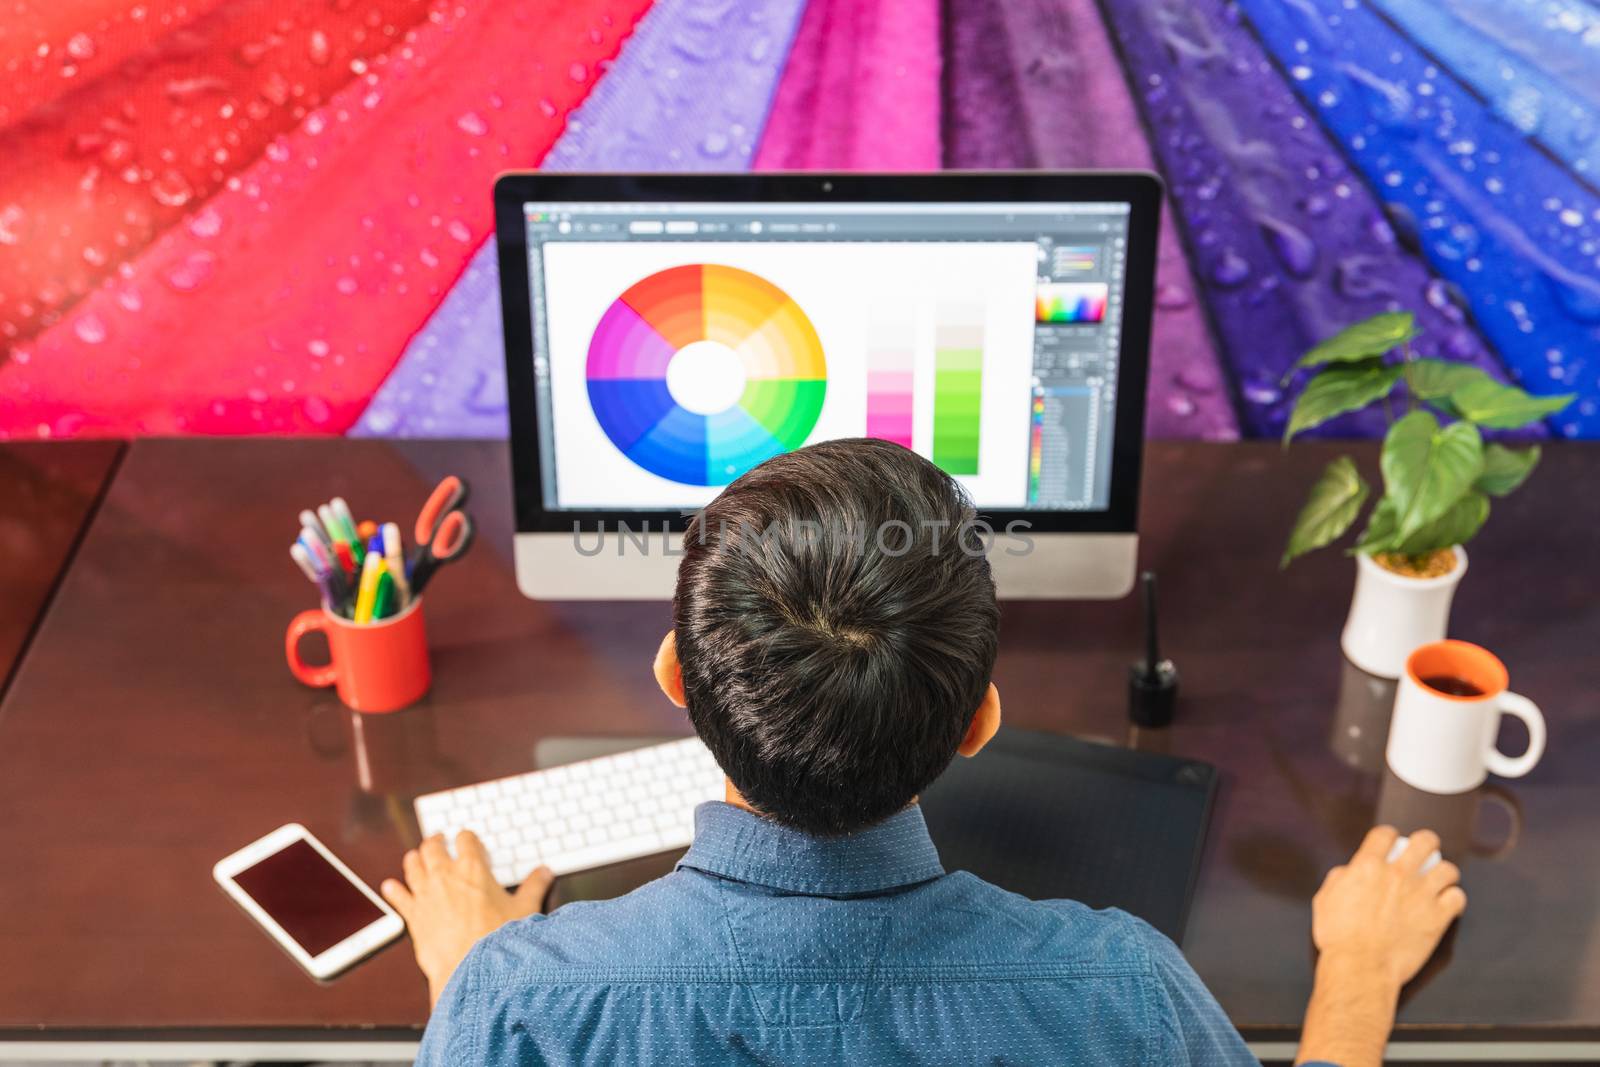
{"points": [[377, 667]]}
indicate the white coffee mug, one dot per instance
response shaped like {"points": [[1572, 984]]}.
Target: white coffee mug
{"points": [[1444, 742]]}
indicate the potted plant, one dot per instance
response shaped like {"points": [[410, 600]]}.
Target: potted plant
{"points": [[1438, 477]]}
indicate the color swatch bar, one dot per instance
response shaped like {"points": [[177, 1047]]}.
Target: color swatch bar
{"points": [[889, 382], [1083, 258], [1071, 302], [1035, 447], [957, 388]]}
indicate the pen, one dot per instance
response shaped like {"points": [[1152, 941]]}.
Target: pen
{"points": [[367, 529], [394, 554], [368, 589]]}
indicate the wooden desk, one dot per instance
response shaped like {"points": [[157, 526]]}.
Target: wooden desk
{"points": [[47, 493], [154, 728]]}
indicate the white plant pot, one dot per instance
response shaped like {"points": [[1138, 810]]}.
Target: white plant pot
{"points": [[1390, 615]]}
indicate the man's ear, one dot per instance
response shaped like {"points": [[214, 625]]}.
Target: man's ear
{"points": [[985, 723], [669, 675]]}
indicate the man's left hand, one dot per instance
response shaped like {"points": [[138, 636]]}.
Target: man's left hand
{"points": [[448, 903]]}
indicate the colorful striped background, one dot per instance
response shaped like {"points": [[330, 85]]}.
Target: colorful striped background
{"points": [[272, 216]]}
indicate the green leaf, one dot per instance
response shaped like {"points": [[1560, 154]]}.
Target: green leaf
{"points": [[1426, 469], [1338, 389], [1505, 468], [1436, 379], [1381, 528], [1504, 407], [1333, 505], [1363, 340], [1456, 526]]}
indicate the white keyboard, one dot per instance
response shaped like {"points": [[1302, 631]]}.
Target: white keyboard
{"points": [[582, 815]]}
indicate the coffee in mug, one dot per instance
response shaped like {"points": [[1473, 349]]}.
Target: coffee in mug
{"points": [[1447, 717]]}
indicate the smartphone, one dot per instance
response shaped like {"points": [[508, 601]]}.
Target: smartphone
{"points": [[306, 900]]}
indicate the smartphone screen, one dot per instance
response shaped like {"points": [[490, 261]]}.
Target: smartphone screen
{"points": [[308, 897]]}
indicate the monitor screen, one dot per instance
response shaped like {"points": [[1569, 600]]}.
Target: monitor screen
{"points": [[677, 345]]}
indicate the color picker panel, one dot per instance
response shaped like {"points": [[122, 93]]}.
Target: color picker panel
{"points": [[1071, 302], [957, 388]]}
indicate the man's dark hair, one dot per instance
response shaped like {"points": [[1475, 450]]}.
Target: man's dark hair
{"points": [[836, 624]]}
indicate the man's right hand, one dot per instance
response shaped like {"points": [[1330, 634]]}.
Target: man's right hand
{"points": [[1375, 924]]}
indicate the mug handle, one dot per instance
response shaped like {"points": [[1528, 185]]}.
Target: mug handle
{"points": [[318, 676], [1517, 766]]}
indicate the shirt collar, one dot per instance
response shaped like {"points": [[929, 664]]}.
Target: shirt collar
{"points": [[734, 843]]}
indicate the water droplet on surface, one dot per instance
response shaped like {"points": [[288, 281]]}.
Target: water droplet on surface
{"points": [[346, 285], [1261, 393], [1571, 217], [316, 123], [1181, 405], [1230, 269], [715, 144], [458, 230], [1172, 297], [172, 189], [318, 49], [1361, 277], [181, 90], [193, 272], [1296, 251], [207, 223], [317, 347], [11, 219], [90, 328], [578, 73], [472, 123], [130, 299], [1316, 205], [547, 108], [80, 46]]}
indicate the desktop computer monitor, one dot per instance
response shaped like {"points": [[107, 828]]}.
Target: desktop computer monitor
{"points": [[666, 333]]}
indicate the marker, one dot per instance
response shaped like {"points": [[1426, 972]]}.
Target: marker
{"points": [[367, 529], [348, 521], [383, 601], [347, 562], [368, 590], [313, 547], [302, 559], [394, 554], [330, 523], [309, 520]]}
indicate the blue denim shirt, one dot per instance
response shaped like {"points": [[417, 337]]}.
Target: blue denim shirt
{"points": [[768, 946]]}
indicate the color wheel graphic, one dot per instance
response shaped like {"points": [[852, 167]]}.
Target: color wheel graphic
{"points": [[649, 325]]}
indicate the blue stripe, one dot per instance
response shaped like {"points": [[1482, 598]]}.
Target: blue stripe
{"points": [[1514, 230]]}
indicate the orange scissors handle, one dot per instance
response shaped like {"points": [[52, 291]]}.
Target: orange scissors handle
{"points": [[449, 496]]}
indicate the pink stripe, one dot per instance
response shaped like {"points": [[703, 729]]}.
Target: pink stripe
{"points": [[860, 91]]}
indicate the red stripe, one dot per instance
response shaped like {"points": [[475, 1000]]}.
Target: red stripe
{"points": [[284, 303]]}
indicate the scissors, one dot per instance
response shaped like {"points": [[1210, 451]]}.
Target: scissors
{"points": [[443, 531]]}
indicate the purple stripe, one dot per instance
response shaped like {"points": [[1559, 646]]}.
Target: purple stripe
{"points": [[690, 91], [1035, 83]]}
